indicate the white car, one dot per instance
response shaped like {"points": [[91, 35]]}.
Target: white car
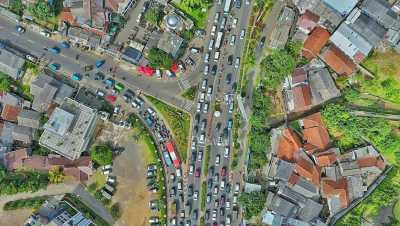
{"points": [[213, 30], [205, 108], [139, 17], [242, 33], [193, 145], [202, 97], [216, 56], [226, 152], [211, 44], [237, 188], [206, 57], [216, 18], [202, 138], [204, 84], [178, 173], [209, 91], [191, 169], [217, 160], [45, 33], [206, 69], [195, 195], [198, 109], [232, 40], [237, 62], [234, 22]]}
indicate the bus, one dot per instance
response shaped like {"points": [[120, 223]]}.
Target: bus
{"points": [[219, 40], [227, 6], [167, 159]]}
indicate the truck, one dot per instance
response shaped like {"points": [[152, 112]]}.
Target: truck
{"points": [[76, 77], [219, 39], [227, 6]]}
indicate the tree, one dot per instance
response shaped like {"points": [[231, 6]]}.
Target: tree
{"points": [[160, 59], [5, 83], [154, 15], [17, 7], [42, 10], [56, 175], [115, 211], [253, 203], [101, 155]]}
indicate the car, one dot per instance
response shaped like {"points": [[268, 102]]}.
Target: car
{"points": [[173, 221], [100, 93], [216, 178], [208, 199], [197, 173], [202, 97], [31, 58], [198, 109], [206, 69], [20, 29], [195, 195], [214, 69], [232, 40], [179, 186], [214, 215], [234, 22], [237, 62], [238, 4], [65, 45], [54, 50], [216, 56], [193, 157], [216, 190], [99, 76], [209, 184], [76, 76], [237, 188], [45, 33], [222, 184], [230, 110], [199, 156], [178, 172], [54, 66], [226, 152], [205, 108], [194, 50], [100, 63], [206, 57], [213, 30], [227, 204], [216, 18], [242, 34], [204, 84], [217, 160], [193, 145], [230, 124], [222, 24], [230, 59], [209, 91], [191, 169], [262, 42], [228, 79], [181, 66], [139, 17], [190, 190], [211, 44], [219, 142], [247, 2], [195, 215], [223, 171], [202, 137], [117, 109], [228, 218], [203, 124]]}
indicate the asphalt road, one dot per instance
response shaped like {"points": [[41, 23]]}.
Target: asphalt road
{"points": [[36, 44], [214, 133]]}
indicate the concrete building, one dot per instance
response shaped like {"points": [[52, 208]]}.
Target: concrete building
{"points": [[11, 64], [69, 129], [171, 43], [29, 118]]}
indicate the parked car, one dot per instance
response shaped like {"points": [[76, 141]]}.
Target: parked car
{"points": [[45, 33], [54, 66], [65, 45], [20, 29], [54, 50], [76, 77], [230, 59]]}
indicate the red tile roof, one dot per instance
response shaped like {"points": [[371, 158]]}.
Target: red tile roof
{"points": [[314, 43], [308, 170], [75, 173], [315, 132], [289, 145], [299, 75], [338, 61], [308, 21], [326, 159], [336, 188], [10, 113], [67, 16], [302, 97], [371, 161], [37, 162], [13, 160]]}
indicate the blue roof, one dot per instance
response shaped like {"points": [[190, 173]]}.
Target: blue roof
{"points": [[342, 6]]}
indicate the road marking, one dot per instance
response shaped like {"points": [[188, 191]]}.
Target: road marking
{"points": [[188, 105]]}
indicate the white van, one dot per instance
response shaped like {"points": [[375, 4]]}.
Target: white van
{"points": [[211, 44], [213, 30], [216, 18]]}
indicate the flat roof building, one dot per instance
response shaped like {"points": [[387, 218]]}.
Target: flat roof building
{"points": [[170, 43], [11, 64], [69, 129]]}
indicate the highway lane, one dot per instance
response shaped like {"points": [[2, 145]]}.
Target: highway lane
{"points": [[36, 44], [220, 89]]}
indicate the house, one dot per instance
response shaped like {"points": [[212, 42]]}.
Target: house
{"points": [[326, 158], [69, 129], [47, 90], [280, 34], [170, 43], [336, 194], [132, 55], [14, 159], [342, 7], [272, 219], [315, 134], [338, 61], [301, 98], [307, 21], [11, 64], [382, 12], [10, 113], [29, 118], [288, 146], [322, 86], [7, 98], [314, 43], [84, 37], [280, 205], [23, 134]]}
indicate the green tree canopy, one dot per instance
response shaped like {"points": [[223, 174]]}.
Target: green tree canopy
{"points": [[16, 6], [56, 175], [115, 211], [253, 203], [101, 155], [42, 10], [159, 59], [154, 15]]}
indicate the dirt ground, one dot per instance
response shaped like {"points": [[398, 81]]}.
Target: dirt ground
{"points": [[130, 169], [15, 217]]}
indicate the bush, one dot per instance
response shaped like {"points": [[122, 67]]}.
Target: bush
{"points": [[252, 203], [21, 181], [159, 59], [190, 94], [154, 15], [115, 211], [17, 7], [42, 10], [33, 203], [101, 155]]}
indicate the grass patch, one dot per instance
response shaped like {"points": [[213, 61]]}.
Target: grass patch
{"points": [[396, 210], [30, 203], [191, 93], [206, 160], [196, 10], [178, 121], [203, 194]]}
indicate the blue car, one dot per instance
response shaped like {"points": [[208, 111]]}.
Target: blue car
{"points": [[76, 76], [65, 45], [100, 63], [54, 50]]}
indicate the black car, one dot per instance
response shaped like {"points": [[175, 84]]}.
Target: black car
{"points": [[230, 59], [228, 78], [214, 70], [238, 4], [99, 76], [262, 42], [195, 215]]}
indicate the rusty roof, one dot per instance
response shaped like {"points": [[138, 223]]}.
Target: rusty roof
{"points": [[336, 188], [314, 43], [338, 61], [302, 97], [10, 113], [308, 170], [315, 132], [289, 145]]}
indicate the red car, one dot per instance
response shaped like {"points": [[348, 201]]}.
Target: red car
{"points": [[215, 224], [197, 173], [223, 171]]}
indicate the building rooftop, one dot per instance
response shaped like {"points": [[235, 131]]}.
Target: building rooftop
{"points": [[11, 64], [342, 7], [289, 145], [10, 113], [381, 11], [29, 118], [338, 61], [315, 132], [322, 86], [332, 189], [314, 43], [170, 43], [307, 21], [69, 129], [132, 55], [302, 97]]}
